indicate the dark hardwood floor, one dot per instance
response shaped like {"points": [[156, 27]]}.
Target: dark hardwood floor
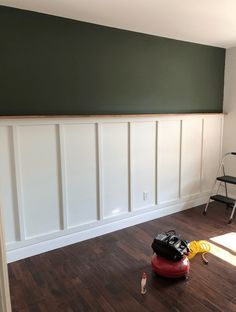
{"points": [[103, 274]]}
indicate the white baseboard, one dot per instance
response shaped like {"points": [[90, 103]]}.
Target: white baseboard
{"points": [[72, 238]]}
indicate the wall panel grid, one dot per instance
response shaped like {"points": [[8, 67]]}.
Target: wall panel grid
{"points": [[70, 175]]}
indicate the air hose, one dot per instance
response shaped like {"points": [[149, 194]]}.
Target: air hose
{"points": [[199, 246]]}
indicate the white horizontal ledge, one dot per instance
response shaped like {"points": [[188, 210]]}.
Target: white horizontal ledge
{"points": [[104, 115], [74, 119]]}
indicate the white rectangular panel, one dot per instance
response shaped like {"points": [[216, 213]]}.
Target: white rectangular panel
{"points": [[80, 171], [114, 137], [191, 156], [38, 161], [211, 151], [143, 160], [168, 160], [8, 197]]}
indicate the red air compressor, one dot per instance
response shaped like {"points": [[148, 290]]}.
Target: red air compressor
{"points": [[170, 255]]}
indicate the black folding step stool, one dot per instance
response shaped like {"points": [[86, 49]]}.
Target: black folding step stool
{"points": [[229, 202]]}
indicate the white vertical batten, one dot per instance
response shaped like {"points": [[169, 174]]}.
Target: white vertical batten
{"points": [[180, 157], [130, 184], [63, 178], [221, 139], [18, 184], [99, 172], [202, 155], [221, 150], [156, 166]]}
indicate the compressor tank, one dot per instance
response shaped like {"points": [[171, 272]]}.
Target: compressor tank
{"points": [[170, 269]]}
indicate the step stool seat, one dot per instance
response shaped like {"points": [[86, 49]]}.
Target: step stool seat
{"points": [[227, 179], [223, 199]]}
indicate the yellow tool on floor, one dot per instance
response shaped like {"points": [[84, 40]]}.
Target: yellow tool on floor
{"points": [[199, 246]]}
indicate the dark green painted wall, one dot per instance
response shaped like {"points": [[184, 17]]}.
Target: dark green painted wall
{"points": [[52, 65]]}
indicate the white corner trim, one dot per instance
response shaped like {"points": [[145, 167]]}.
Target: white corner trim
{"points": [[44, 246], [5, 301]]}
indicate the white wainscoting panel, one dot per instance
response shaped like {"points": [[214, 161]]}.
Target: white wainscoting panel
{"points": [[67, 179], [115, 171], [7, 184], [38, 162], [168, 158], [191, 155], [81, 173], [211, 151], [143, 163]]}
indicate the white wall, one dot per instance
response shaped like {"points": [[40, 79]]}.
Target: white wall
{"points": [[67, 179], [229, 139]]}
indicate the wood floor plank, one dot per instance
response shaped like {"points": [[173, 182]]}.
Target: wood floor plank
{"points": [[103, 274]]}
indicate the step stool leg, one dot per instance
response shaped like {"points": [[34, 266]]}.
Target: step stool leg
{"points": [[232, 213], [226, 190], [218, 188], [205, 210]]}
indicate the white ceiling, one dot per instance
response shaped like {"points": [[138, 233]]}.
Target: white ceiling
{"points": [[211, 22]]}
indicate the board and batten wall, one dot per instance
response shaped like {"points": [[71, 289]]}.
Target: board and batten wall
{"points": [[64, 180]]}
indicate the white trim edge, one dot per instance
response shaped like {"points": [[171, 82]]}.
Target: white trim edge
{"points": [[5, 301]]}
